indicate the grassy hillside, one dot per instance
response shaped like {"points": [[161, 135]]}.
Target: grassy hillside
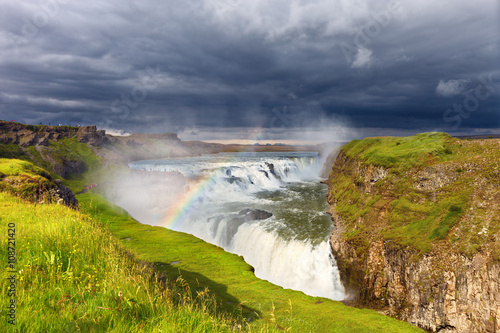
{"points": [[23, 179], [439, 193], [399, 153], [62, 158], [72, 275], [72, 267]]}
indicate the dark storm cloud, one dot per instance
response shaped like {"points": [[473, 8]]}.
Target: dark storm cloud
{"points": [[156, 66]]}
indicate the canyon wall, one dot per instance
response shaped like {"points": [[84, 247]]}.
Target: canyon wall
{"points": [[30, 135], [445, 283]]}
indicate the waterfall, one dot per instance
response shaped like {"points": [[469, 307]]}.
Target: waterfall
{"points": [[288, 245]]}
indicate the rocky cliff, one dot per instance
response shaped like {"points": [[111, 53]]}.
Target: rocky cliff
{"points": [[31, 135], [136, 147], [64, 150], [25, 180], [69, 151], [417, 229]]}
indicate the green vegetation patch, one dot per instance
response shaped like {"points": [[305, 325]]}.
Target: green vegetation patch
{"points": [[23, 179], [71, 152], [418, 224], [14, 167], [64, 158], [11, 150], [448, 221], [400, 152]]}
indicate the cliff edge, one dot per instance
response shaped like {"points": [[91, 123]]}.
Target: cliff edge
{"points": [[29, 182], [417, 229], [69, 151], [40, 135]]}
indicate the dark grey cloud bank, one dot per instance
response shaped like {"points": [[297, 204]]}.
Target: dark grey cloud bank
{"points": [[191, 66]]}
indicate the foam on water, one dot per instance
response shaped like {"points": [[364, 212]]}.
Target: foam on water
{"points": [[289, 263], [276, 247]]}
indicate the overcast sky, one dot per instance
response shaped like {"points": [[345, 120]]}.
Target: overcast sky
{"points": [[262, 69]]}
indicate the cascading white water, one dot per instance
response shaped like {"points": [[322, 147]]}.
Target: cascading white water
{"points": [[290, 248], [289, 263]]}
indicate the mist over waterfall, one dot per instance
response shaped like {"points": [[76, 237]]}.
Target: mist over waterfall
{"points": [[269, 208]]}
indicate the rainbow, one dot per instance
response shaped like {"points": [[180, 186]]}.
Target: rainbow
{"points": [[184, 205], [181, 208]]}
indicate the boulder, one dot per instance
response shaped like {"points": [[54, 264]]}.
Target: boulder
{"points": [[254, 214]]}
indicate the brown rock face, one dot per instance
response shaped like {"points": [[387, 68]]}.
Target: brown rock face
{"points": [[62, 195], [441, 290], [436, 293], [90, 135], [29, 135]]}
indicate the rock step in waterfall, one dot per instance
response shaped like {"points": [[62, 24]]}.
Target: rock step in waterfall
{"points": [[267, 207]]}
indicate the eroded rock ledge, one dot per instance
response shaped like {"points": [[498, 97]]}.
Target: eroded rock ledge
{"points": [[38, 189], [435, 292], [442, 289], [29, 135]]}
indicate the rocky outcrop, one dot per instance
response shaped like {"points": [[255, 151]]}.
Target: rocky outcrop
{"points": [[438, 293], [443, 289], [245, 215], [254, 214], [39, 188], [431, 179], [271, 170], [30, 135], [62, 195], [91, 135]]}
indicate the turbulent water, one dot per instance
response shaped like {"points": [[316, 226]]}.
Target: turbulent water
{"points": [[291, 247]]}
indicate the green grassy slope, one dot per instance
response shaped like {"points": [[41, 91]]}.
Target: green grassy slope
{"points": [[439, 193], [23, 179], [398, 153], [68, 157], [74, 276]]}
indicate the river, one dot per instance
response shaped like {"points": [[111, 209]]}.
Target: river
{"points": [[226, 200]]}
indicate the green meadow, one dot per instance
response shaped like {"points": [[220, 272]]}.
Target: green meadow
{"points": [[72, 275]]}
